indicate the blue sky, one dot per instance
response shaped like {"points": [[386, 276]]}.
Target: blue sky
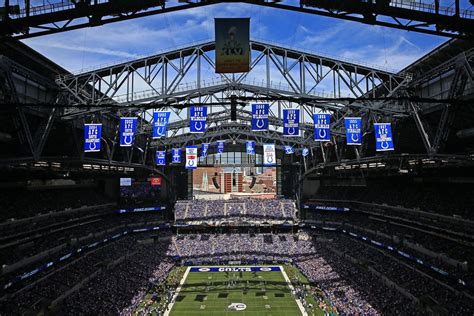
{"points": [[90, 47]]}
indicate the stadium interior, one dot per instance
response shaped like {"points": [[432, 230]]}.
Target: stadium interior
{"points": [[237, 175]]}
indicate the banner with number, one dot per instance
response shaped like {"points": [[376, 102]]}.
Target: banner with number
{"points": [[383, 137], [160, 158], [291, 122], [269, 157], [92, 135], [305, 152], [289, 150], [353, 130], [197, 119], [220, 146], [250, 146], [205, 149], [191, 157], [260, 117], [232, 45], [128, 127], [176, 155], [322, 131], [160, 124]]}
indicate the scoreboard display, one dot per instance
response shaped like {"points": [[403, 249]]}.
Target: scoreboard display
{"points": [[140, 192]]}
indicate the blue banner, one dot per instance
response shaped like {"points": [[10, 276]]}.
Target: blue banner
{"points": [[322, 131], [289, 150], [383, 137], [128, 127], [197, 119], [234, 269], [353, 130], [250, 146], [92, 135], [291, 122], [305, 152], [205, 149], [160, 124], [220, 146], [161, 158], [176, 155], [260, 117]]}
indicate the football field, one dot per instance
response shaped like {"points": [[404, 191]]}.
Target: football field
{"points": [[255, 291]]}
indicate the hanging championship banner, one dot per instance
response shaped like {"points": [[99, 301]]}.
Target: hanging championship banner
{"points": [[250, 145], [289, 150], [205, 149], [92, 135], [160, 158], [383, 137], [260, 117], [269, 157], [232, 45], [176, 155], [305, 152], [160, 124], [291, 122], [220, 146], [322, 131], [191, 157], [197, 119], [128, 127], [353, 130]]}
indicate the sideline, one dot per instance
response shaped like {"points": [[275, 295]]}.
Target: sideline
{"points": [[173, 300], [298, 302]]}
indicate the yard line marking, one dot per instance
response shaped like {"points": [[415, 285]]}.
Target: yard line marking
{"points": [[298, 302], [173, 300]]}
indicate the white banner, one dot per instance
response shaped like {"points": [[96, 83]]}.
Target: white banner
{"points": [[191, 157], [269, 157]]}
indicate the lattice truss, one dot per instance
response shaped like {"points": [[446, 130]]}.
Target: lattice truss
{"points": [[283, 77]]}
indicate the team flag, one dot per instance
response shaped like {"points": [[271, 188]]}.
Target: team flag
{"points": [[321, 127], [260, 117], [197, 119], [92, 135], [353, 130], [250, 146], [160, 124], [191, 157], [128, 127], [161, 158], [383, 137], [176, 155], [269, 157], [291, 122]]}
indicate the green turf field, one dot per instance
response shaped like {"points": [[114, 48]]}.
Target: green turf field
{"points": [[210, 293]]}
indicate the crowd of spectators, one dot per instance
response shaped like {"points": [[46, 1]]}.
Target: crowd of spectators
{"points": [[22, 203], [247, 209], [448, 199]]}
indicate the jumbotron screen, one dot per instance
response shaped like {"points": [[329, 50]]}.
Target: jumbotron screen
{"points": [[140, 192]]}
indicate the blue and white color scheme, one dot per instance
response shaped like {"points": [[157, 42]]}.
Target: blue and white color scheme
{"points": [[160, 158], [269, 157], [176, 155], [191, 157], [289, 150], [353, 130], [250, 146], [322, 131], [128, 127], [197, 119], [260, 117], [291, 122], [383, 137], [160, 124], [92, 135], [305, 152], [220, 146], [205, 149], [235, 269]]}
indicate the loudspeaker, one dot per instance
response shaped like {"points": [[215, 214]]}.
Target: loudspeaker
{"points": [[233, 108], [252, 184], [216, 185]]}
